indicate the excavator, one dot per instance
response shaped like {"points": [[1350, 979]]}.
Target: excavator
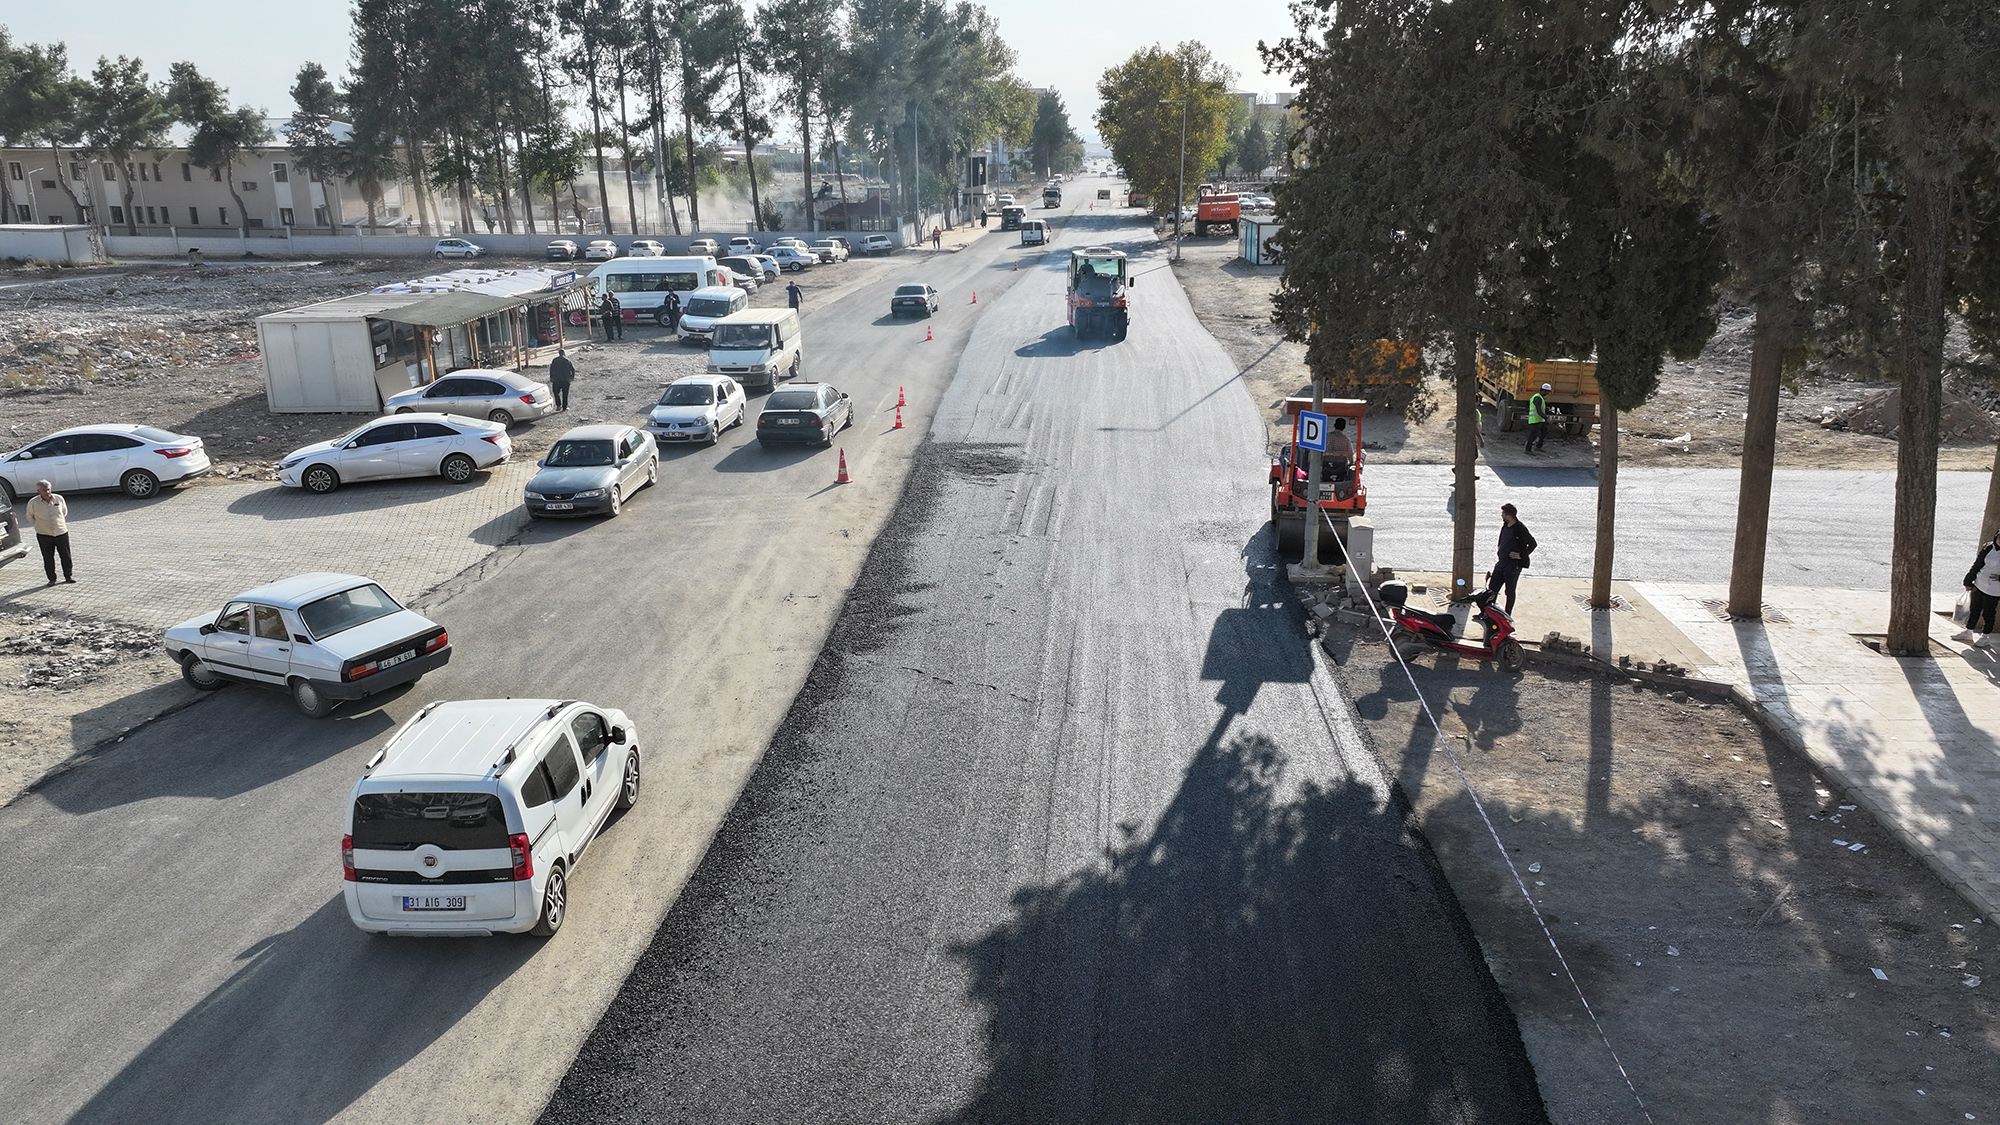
{"points": [[1098, 280]]}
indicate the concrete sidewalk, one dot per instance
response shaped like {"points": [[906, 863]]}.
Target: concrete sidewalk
{"points": [[1914, 740]]}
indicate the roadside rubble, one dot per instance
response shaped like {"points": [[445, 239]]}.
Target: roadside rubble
{"points": [[62, 653]]}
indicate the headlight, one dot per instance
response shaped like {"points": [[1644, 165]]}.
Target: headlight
{"points": [[290, 463], [590, 494], [532, 495]]}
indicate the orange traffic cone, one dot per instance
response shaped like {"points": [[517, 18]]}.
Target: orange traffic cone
{"points": [[842, 478], [927, 332], [899, 417], [900, 400]]}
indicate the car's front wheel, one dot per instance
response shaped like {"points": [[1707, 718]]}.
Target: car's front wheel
{"points": [[628, 789], [457, 468], [555, 904], [199, 675], [311, 702], [653, 473], [139, 484], [320, 478], [617, 502]]}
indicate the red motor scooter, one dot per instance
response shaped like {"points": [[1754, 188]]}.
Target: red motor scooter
{"points": [[1436, 629]]}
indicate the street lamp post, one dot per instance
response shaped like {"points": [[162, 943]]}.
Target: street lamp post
{"points": [[1180, 188], [34, 205]]}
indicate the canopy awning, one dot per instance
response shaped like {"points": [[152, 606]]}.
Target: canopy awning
{"points": [[445, 309]]}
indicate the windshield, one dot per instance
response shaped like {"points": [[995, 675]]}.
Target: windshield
{"points": [[652, 282], [688, 394], [396, 822], [571, 453], [708, 306], [909, 290], [741, 336], [792, 400], [339, 612]]}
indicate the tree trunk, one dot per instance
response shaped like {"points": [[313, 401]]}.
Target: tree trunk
{"points": [[62, 177], [661, 155], [806, 154], [527, 183], [242, 212], [625, 149], [128, 191], [1927, 216], [1991, 522], [1769, 340], [413, 158], [749, 141], [597, 146], [1607, 505], [1465, 458], [694, 181], [839, 176]]}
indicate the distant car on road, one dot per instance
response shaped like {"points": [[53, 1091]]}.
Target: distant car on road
{"points": [[505, 397], [139, 460], [830, 251], [324, 638], [697, 408], [804, 412], [592, 469], [913, 300], [562, 250], [793, 259], [646, 248], [600, 250], [456, 248], [877, 244], [469, 821], [406, 445]]}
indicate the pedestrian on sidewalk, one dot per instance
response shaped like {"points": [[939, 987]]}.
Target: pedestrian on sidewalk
{"points": [[49, 513], [1984, 582], [1538, 419], [1517, 545], [561, 373], [937, 239], [794, 294]]}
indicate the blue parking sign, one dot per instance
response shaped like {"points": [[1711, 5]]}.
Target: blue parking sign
{"points": [[1312, 431]]}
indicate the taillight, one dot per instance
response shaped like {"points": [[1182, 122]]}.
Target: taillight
{"points": [[437, 642], [764, 420], [347, 858], [494, 438], [524, 860], [360, 671], [1118, 302], [529, 399], [177, 451]]}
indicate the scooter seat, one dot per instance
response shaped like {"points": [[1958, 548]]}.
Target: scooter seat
{"points": [[1443, 621]]}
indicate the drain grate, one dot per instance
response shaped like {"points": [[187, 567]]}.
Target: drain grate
{"points": [[1618, 604], [1720, 608]]}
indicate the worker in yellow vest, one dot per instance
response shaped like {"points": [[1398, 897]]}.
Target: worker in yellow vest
{"points": [[1538, 419]]}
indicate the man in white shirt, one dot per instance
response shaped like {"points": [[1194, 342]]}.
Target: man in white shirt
{"points": [[49, 513]]}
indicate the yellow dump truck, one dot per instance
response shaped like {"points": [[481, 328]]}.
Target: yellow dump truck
{"points": [[1506, 382]]}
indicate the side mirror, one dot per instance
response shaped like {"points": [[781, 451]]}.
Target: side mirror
{"points": [[208, 628], [617, 734], [542, 464], [352, 445]]}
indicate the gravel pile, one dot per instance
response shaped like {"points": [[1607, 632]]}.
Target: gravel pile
{"points": [[64, 653]]}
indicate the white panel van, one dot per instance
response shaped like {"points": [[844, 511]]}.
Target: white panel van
{"points": [[757, 347], [642, 283]]}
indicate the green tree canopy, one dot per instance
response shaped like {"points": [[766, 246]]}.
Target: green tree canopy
{"points": [[1140, 118]]}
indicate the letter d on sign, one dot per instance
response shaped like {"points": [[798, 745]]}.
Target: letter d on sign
{"points": [[1312, 430]]}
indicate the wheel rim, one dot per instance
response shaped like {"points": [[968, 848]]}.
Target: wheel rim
{"points": [[140, 485], [502, 417], [320, 480], [555, 900], [201, 673], [306, 696], [632, 779], [458, 468], [617, 502]]}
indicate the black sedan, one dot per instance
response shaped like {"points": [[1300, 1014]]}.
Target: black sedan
{"points": [[804, 412], [913, 300]]}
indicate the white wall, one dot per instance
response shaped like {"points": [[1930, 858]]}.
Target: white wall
{"points": [[407, 246]]}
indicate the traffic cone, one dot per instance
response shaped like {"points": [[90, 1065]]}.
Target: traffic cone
{"points": [[975, 296], [899, 417], [927, 333], [900, 400], [842, 478]]}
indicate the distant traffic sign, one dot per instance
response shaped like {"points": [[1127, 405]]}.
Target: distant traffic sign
{"points": [[1312, 431]]}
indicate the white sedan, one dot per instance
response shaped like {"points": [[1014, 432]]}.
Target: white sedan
{"points": [[646, 248], [697, 408], [139, 460], [404, 445]]}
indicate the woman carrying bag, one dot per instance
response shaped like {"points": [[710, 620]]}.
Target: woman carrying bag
{"points": [[1983, 582]]}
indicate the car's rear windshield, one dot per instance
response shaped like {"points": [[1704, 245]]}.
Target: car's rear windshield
{"points": [[792, 400], [909, 290], [579, 454], [339, 612], [152, 434], [742, 336], [688, 394], [399, 822], [708, 306]]}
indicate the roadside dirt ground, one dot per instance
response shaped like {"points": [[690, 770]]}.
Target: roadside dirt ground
{"points": [[1703, 884], [1696, 419]]}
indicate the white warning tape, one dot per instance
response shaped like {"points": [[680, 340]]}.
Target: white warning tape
{"points": [[1445, 745]]}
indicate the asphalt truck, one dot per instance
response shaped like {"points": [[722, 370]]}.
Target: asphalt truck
{"points": [[1098, 280], [1052, 195]]}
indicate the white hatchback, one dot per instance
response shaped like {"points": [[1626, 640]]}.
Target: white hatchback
{"points": [[471, 818], [457, 248], [139, 460], [697, 408], [406, 445]]}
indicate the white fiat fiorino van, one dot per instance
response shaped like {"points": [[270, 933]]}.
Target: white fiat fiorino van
{"points": [[470, 819], [704, 307], [757, 346], [642, 283]]}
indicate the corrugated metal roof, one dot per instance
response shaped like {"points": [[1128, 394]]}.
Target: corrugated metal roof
{"points": [[347, 308], [446, 308]]}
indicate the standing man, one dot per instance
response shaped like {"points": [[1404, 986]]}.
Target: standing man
{"points": [[672, 306], [1517, 544], [1984, 582], [1538, 419], [614, 317], [794, 294], [937, 239], [49, 513], [561, 373]]}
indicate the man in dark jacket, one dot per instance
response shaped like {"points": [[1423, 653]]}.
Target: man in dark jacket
{"points": [[561, 372], [1516, 545], [614, 317], [672, 307]]}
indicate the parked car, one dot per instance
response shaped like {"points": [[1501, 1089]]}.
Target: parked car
{"points": [[793, 259], [140, 460], [913, 300], [562, 250], [646, 248], [698, 408], [592, 469], [407, 445], [505, 397], [743, 244], [456, 248], [830, 250], [325, 638], [469, 820], [601, 250], [704, 246], [748, 271], [877, 244], [707, 305], [842, 241], [804, 412]]}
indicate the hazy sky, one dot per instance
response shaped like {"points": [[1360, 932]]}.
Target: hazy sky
{"points": [[255, 48]]}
